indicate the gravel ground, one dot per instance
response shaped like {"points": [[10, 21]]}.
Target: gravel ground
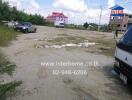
{"points": [[42, 82]]}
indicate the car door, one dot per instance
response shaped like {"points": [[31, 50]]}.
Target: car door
{"points": [[30, 28]]}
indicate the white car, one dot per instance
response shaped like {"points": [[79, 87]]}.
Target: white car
{"points": [[59, 24], [123, 57]]}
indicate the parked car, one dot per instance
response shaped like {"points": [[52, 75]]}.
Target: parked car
{"points": [[26, 27], [123, 57], [59, 24]]}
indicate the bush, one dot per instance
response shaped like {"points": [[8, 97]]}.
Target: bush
{"points": [[85, 25], [7, 88], [7, 35], [11, 13]]}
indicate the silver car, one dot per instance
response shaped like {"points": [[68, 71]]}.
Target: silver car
{"points": [[26, 27]]}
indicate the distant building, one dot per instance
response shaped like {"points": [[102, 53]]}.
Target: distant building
{"points": [[119, 19], [56, 16]]}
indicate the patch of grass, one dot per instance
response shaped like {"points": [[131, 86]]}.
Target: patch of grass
{"points": [[6, 89], [106, 45], [5, 65], [106, 42], [7, 35], [66, 40]]}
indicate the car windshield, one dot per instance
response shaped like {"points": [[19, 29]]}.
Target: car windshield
{"points": [[127, 38], [61, 23]]}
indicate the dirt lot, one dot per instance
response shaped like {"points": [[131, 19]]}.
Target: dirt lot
{"points": [[39, 57]]}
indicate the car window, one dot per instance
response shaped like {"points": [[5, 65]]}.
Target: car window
{"points": [[29, 25], [23, 24], [26, 24], [127, 38]]}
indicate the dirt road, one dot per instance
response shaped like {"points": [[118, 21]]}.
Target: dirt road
{"points": [[38, 67]]}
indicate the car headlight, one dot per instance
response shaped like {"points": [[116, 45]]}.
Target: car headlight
{"points": [[24, 27]]}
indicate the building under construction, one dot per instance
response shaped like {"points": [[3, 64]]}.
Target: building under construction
{"points": [[120, 20]]}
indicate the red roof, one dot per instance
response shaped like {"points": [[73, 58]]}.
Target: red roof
{"points": [[57, 14]]}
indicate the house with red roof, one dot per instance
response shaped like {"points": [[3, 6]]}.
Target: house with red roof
{"points": [[56, 16]]}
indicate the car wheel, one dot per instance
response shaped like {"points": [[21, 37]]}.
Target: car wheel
{"points": [[26, 31], [34, 30]]}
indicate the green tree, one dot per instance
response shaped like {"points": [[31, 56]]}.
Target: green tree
{"points": [[93, 26], [85, 25], [11, 13]]}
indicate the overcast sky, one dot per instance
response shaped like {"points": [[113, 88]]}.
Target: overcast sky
{"points": [[78, 11]]}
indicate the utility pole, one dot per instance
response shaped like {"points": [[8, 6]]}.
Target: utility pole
{"points": [[100, 18]]}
